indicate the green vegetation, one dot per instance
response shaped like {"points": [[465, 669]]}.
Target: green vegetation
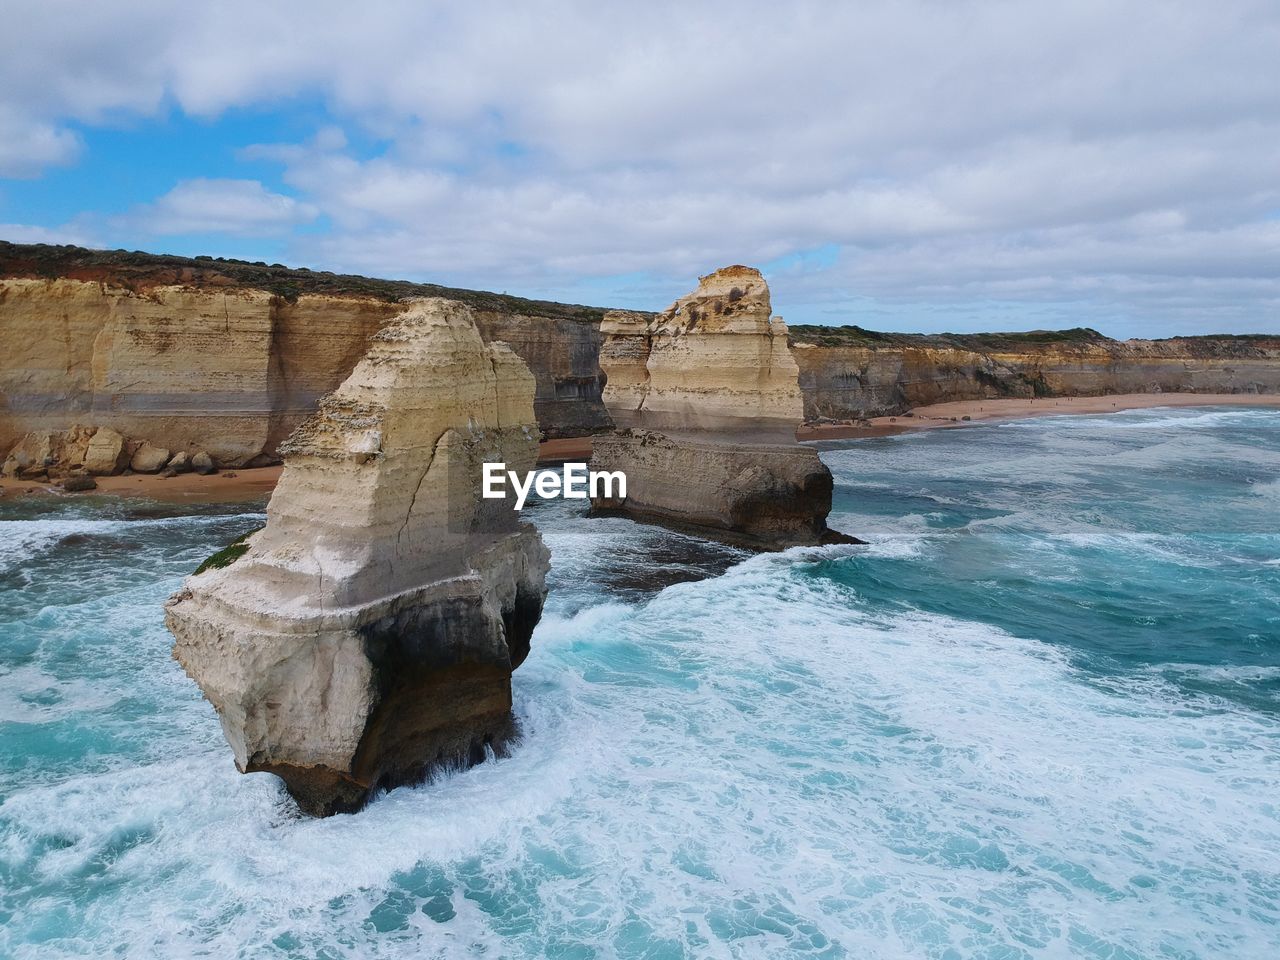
{"points": [[135, 270], [229, 554], [855, 336]]}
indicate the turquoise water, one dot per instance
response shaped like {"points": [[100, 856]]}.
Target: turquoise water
{"points": [[1039, 716]]}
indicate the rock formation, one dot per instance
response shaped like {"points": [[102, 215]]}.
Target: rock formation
{"points": [[97, 452], [106, 453], [369, 630], [848, 372], [149, 458], [49, 454], [712, 396], [761, 496], [564, 355], [230, 357], [624, 358], [716, 353]]}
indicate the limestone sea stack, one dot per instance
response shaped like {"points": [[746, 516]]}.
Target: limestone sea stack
{"points": [[716, 353], [709, 398], [368, 632]]}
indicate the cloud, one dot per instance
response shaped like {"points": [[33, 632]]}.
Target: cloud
{"points": [[1083, 159], [29, 146], [240, 207], [66, 234]]}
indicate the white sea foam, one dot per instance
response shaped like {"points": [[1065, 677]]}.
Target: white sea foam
{"points": [[750, 766]]}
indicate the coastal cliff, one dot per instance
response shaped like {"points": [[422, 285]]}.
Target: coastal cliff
{"points": [[226, 358], [848, 372], [368, 632], [230, 357]]}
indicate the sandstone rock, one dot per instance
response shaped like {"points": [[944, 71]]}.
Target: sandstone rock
{"points": [[180, 463], [29, 456], [229, 368], [203, 464], [760, 496], [716, 353], [54, 453], [624, 357], [105, 454], [564, 356], [847, 372], [369, 631], [149, 459], [715, 374], [79, 482]]}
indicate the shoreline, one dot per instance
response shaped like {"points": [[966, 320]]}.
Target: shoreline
{"points": [[227, 486], [244, 484], [948, 415], [235, 483]]}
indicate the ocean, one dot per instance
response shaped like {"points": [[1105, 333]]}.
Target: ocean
{"points": [[1037, 717]]}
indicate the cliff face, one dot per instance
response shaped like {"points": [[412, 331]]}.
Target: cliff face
{"points": [[564, 355], [717, 352], [203, 357], [370, 629], [224, 356], [847, 372], [231, 371]]}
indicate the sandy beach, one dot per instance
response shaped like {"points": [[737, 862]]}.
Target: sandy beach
{"points": [[227, 486], [952, 414], [244, 484], [236, 484], [567, 448]]}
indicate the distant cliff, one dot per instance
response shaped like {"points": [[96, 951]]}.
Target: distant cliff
{"points": [[230, 356], [849, 372]]}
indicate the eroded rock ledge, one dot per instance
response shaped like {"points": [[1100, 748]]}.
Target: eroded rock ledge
{"points": [[760, 496], [369, 631]]}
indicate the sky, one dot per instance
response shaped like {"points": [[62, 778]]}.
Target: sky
{"points": [[917, 165]]}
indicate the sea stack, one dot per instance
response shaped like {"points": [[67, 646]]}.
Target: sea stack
{"points": [[708, 397], [368, 632], [716, 353]]}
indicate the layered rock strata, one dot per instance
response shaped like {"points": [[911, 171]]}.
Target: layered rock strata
{"points": [[847, 372], [760, 496], [368, 632], [718, 353], [703, 385], [229, 357], [564, 355]]}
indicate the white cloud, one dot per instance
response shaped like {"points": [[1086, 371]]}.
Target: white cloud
{"points": [[28, 146], [241, 207], [1110, 158], [65, 234]]}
